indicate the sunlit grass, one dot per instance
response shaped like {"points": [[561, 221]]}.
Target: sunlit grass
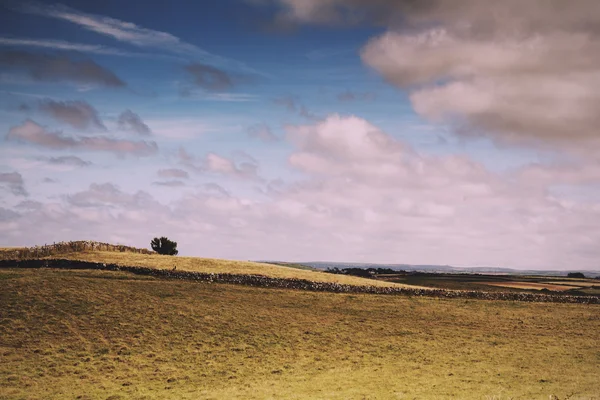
{"points": [[209, 265], [99, 335]]}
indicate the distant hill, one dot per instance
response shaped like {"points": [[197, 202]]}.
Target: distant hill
{"points": [[323, 265]]}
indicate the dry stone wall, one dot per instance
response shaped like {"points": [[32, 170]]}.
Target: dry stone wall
{"points": [[299, 284], [56, 249]]}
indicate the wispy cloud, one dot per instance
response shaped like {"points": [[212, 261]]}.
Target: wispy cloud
{"points": [[262, 132], [70, 46], [131, 33], [209, 77], [215, 164], [78, 114], [293, 105], [191, 94], [59, 68], [13, 182], [232, 97], [71, 161], [22, 94], [107, 195], [130, 121], [171, 183], [33, 133]]}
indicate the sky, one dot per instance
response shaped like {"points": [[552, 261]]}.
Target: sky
{"points": [[384, 131]]}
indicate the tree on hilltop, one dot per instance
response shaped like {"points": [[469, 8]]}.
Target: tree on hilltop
{"points": [[164, 246]]}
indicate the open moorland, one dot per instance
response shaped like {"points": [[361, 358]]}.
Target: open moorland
{"points": [[100, 335], [86, 334], [557, 285], [482, 282], [208, 265]]}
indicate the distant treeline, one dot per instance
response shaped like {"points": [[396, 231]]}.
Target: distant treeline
{"points": [[54, 249], [374, 272], [364, 272]]}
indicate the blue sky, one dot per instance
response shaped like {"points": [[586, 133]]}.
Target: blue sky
{"points": [[292, 130]]}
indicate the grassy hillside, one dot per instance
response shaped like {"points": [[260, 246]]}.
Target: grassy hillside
{"points": [[112, 335], [502, 283], [218, 266]]}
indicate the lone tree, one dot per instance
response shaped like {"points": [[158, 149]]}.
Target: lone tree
{"points": [[164, 246]]}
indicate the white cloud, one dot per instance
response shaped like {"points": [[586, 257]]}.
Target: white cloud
{"points": [[520, 87], [245, 168], [386, 203], [71, 46], [108, 195], [131, 33], [482, 16], [518, 72], [31, 132]]}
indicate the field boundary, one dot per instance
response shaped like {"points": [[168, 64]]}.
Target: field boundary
{"points": [[298, 284], [55, 249]]}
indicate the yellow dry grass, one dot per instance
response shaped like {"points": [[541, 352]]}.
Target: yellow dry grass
{"points": [[110, 335], [210, 265], [575, 283], [530, 285]]}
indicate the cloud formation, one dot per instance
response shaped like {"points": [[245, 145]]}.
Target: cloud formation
{"points": [[349, 190], [59, 68], [70, 46], [262, 132], [481, 16], [343, 12], [362, 195], [377, 195], [513, 89], [211, 78], [173, 173], [33, 133], [13, 182], [72, 161], [215, 164], [128, 32], [108, 195], [79, 114], [7, 216], [518, 72], [292, 104], [130, 121]]}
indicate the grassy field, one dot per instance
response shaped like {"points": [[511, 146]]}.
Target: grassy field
{"points": [[504, 283], [111, 335], [531, 286], [219, 266]]}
